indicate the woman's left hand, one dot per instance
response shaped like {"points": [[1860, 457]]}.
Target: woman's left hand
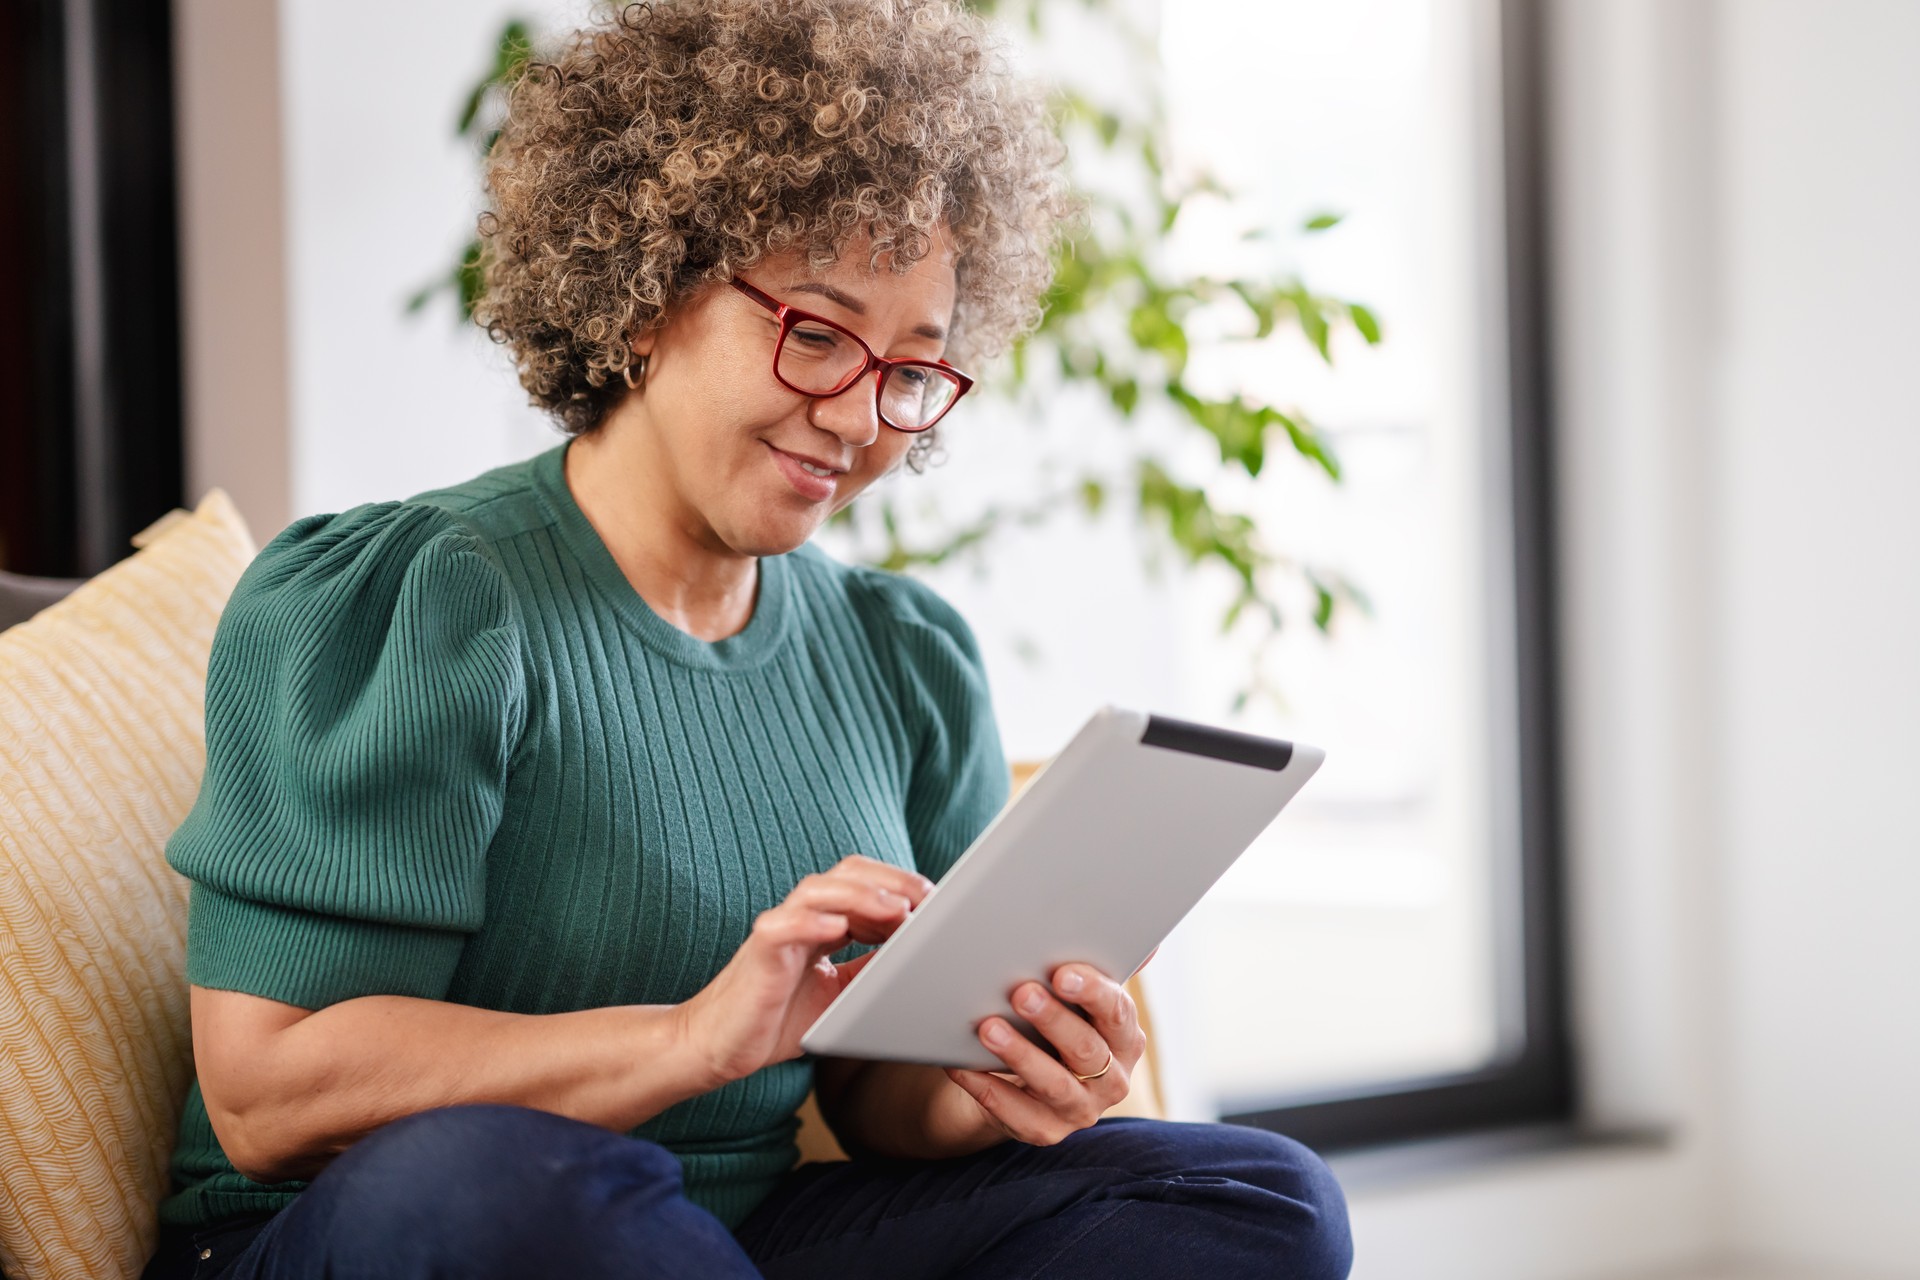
{"points": [[1047, 1101]]}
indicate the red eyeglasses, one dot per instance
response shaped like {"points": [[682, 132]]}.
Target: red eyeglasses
{"points": [[819, 358]]}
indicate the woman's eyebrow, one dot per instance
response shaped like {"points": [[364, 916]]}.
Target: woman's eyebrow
{"points": [[859, 308]]}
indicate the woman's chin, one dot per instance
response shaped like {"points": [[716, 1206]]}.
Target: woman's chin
{"points": [[774, 532]]}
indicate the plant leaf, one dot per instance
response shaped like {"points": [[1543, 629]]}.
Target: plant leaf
{"points": [[511, 51], [1313, 321], [1262, 305], [1307, 442], [1366, 322]]}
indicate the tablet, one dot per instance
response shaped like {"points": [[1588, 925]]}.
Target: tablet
{"points": [[1108, 846]]}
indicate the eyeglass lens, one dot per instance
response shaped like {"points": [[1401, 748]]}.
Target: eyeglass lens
{"points": [[821, 360]]}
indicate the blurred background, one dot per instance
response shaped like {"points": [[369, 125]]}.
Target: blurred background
{"points": [[1512, 397]]}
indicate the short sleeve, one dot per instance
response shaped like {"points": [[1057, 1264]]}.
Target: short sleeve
{"points": [[365, 692], [958, 778]]}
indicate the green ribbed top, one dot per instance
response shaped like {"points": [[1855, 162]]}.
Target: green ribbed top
{"points": [[451, 753]]}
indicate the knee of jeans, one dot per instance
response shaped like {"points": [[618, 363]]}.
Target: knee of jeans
{"points": [[487, 1158], [1321, 1237], [1314, 1232]]}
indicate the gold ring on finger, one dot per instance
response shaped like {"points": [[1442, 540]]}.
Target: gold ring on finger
{"points": [[1102, 1071]]}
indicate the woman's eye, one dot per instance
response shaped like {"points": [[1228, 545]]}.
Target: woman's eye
{"points": [[818, 339]]}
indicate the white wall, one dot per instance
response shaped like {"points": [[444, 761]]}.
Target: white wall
{"points": [[1817, 588], [321, 184], [233, 257], [382, 195]]}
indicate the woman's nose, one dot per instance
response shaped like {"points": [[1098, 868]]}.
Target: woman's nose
{"points": [[853, 415]]}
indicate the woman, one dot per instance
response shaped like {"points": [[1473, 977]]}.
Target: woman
{"points": [[538, 808]]}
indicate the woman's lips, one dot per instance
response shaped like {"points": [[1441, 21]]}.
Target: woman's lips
{"points": [[808, 485]]}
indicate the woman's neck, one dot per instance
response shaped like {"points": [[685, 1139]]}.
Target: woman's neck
{"points": [[671, 556]]}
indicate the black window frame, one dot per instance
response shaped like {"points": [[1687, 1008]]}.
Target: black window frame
{"points": [[1536, 1085]]}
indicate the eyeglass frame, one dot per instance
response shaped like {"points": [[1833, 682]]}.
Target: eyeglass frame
{"points": [[789, 316]]}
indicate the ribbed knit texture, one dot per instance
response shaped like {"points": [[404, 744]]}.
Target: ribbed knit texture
{"points": [[451, 753]]}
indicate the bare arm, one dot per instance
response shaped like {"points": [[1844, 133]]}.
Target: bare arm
{"points": [[900, 1109], [287, 1089]]}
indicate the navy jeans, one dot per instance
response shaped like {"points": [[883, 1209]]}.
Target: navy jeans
{"points": [[489, 1190]]}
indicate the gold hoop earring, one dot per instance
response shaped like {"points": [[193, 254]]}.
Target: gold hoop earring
{"points": [[627, 372]]}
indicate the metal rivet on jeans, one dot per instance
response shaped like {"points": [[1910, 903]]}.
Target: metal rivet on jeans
{"points": [[205, 1254]]}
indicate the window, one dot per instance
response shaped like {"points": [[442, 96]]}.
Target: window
{"points": [[1404, 923], [1383, 963]]}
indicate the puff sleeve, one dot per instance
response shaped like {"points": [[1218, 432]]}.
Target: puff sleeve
{"points": [[958, 777], [365, 692]]}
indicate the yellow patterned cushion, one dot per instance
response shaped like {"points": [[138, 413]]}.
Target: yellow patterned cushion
{"points": [[101, 751]]}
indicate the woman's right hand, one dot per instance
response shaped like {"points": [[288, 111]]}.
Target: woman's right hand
{"points": [[756, 1009]]}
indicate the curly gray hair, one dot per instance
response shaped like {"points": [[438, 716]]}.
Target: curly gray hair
{"points": [[671, 145]]}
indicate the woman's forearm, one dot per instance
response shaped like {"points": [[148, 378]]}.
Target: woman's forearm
{"points": [[319, 1084], [907, 1111]]}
